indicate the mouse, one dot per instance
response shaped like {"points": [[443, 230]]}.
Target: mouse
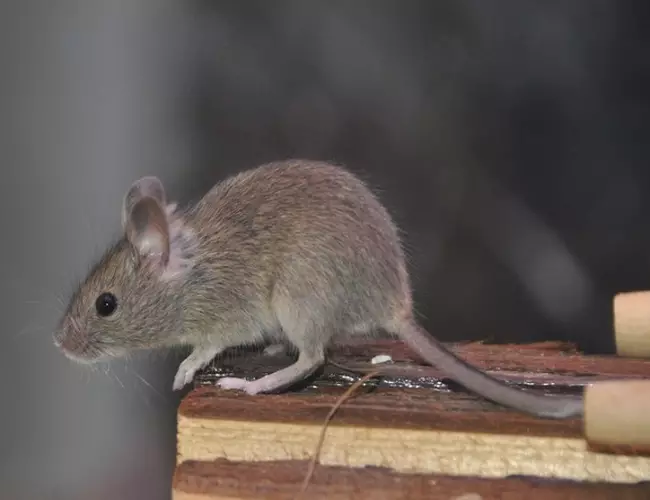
{"points": [[293, 252]]}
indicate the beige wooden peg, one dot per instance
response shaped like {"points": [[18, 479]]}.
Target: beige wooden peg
{"points": [[632, 324], [617, 413]]}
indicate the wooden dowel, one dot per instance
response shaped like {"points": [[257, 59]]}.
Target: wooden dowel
{"points": [[617, 413], [632, 324]]}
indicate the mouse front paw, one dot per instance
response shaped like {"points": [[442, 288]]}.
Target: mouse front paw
{"points": [[197, 360], [237, 384], [184, 376], [186, 371]]}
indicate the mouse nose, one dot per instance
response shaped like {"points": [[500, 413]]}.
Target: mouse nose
{"points": [[68, 336], [59, 334], [57, 338]]}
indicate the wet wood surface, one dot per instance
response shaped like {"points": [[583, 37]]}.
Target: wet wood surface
{"points": [[545, 364], [281, 480], [413, 395]]}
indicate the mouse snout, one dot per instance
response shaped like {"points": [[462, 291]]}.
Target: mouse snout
{"points": [[70, 338], [60, 334], [57, 338]]}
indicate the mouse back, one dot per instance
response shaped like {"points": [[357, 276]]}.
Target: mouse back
{"points": [[299, 232]]}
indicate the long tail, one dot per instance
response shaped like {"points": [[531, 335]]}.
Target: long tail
{"points": [[539, 405]]}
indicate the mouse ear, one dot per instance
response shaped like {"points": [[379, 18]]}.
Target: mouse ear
{"points": [[146, 187], [147, 230]]}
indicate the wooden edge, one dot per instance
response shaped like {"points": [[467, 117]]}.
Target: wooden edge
{"points": [[378, 406], [407, 450], [411, 430], [282, 479]]}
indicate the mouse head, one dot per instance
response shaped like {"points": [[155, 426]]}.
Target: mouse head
{"points": [[130, 298]]}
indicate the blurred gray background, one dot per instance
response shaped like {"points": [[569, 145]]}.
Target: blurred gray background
{"points": [[508, 138]]}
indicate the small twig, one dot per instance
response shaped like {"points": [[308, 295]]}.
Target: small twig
{"points": [[321, 439]]}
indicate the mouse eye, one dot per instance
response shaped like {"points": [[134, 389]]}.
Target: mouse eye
{"points": [[106, 304]]}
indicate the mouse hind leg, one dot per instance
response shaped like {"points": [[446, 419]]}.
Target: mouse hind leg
{"points": [[307, 336]]}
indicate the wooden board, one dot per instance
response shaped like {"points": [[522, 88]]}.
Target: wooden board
{"points": [[543, 364], [281, 480], [411, 424]]}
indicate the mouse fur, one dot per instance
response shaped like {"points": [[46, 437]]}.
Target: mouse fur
{"points": [[292, 252]]}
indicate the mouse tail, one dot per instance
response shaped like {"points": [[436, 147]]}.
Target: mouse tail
{"points": [[473, 379]]}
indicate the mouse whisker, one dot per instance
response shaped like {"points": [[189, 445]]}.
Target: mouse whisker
{"points": [[145, 382]]}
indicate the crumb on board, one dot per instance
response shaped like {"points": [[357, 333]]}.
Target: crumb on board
{"points": [[381, 358]]}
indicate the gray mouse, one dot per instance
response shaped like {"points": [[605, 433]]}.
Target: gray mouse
{"points": [[294, 252]]}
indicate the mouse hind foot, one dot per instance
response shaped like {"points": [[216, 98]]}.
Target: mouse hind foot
{"points": [[276, 381], [305, 331]]}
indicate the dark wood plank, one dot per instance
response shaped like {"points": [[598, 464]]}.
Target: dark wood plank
{"points": [[419, 399], [383, 407], [281, 480]]}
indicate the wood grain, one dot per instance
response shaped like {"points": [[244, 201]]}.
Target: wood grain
{"points": [[405, 449], [280, 480], [380, 407], [414, 424], [414, 395]]}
